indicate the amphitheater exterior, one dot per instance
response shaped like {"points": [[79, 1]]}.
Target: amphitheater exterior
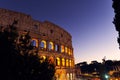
{"points": [[51, 40]]}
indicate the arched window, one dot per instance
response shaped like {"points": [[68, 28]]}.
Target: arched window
{"points": [[57, 61], [51, 59], [43, 57], [67, 64], [43, 44], [69, 51], [56, 47], [51, 46], [63, 62], [66, 50], [62, 48], [34, 42], [71, 76], [68, 76]]}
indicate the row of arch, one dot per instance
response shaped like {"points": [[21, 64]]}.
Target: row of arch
{"points": [[116, 68], [61, 61], [51, 46], [64, 62]]}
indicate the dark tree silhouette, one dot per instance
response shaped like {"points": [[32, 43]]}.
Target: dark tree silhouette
{"points": [[20, 61], [8, 38], [116, 7], [34, 68]]}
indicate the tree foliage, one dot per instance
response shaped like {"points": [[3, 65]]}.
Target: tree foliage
{"points": [[116, 7], [20, 61]]}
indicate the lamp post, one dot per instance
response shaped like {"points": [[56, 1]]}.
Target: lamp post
{"points": [[106, 76]]}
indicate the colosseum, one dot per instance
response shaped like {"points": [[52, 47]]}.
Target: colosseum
{"points": [[51, 40]]}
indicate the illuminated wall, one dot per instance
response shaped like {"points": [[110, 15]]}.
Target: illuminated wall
{"points": [[51, 40]]}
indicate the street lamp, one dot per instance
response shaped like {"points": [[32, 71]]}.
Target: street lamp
{"points": [[106, 76]]}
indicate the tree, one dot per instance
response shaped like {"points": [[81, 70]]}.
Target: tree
{"points": [[116, 7], [8, 37], [34, 67], [19, 59]]}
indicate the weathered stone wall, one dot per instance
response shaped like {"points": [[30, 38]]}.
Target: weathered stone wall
{"points": [[45, 30], [48, 32]]}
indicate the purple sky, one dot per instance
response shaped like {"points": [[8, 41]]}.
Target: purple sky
{"points": [[88, 21]]}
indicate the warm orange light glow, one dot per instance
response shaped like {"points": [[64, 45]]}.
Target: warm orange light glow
{"points": [[63, 62], [43, 41], [67, 63], [66, 50], [51, 59], [51, 46], [62, 48], [44, 57], [58, 61]]}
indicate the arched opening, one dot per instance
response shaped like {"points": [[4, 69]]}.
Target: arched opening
{"points": [[69, 51], [51, 59], [67, 64], [51, 46], [62, 48], [57, 61], [34, 42], [56, 47], [43, 57], [63, 62], [66, 50], [43, 44]]}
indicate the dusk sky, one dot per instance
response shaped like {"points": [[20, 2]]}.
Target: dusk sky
{"points": [[88, 21]]}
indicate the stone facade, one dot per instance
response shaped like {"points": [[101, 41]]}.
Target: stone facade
{"points": [[51, 40]]}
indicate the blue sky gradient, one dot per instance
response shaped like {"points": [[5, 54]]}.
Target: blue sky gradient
{"points": [[88, 21]]}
